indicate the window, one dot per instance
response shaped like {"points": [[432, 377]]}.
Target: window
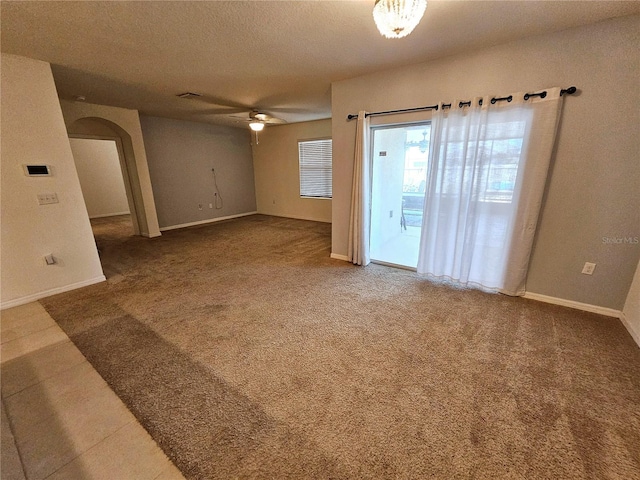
{"points": [[315, 168], [490, 164]]}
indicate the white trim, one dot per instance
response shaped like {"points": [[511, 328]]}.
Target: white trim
{"points": [[202, 222], [340, 257], [635, 335], [148, 235], [395, 265], [295, 217], [111, 214], [609, 312], [47, 293]]}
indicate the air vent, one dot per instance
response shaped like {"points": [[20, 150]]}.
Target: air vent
{"points": [[188, 95]]}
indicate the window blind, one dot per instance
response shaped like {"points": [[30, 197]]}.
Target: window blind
{"points": [[315, 168]]}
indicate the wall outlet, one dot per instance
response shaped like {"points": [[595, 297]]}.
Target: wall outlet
{"points": [[390, 213], [199, 206], [588, 268], [50, 259], [211, 205]]}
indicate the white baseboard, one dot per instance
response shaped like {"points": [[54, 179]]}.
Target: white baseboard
{"points": [[110, 214], [340, 257], [209, 220], [634, 334], [296, 217], [149, 235], [609, 312], [47, 293]]}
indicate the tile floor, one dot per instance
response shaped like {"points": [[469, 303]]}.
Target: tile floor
{"points": [[401, 249], [60, 420]]}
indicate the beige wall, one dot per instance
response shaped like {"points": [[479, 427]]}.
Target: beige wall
{"points": [[593, 185], [632, 307], [98, 168], [33, 131], [181, 156], [128, 122], [277, 174]]}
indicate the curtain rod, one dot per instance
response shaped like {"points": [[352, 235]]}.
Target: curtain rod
{"points": [[527, 96]]}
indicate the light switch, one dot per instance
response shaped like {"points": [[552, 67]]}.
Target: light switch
{"points": [[47, 198]]}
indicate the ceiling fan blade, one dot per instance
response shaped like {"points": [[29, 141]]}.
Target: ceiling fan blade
{"points": [[262, 116], [288, 110], [258, 116], [220, 111], [275, 121], [229, 107], [223, 102], [225, 105]]}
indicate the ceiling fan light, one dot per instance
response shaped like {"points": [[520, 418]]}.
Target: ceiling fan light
{"points": [[398, 18], [256, 126]]}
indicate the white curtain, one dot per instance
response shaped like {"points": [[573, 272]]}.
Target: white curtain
{"points": [[486, 176], [358, 251]]}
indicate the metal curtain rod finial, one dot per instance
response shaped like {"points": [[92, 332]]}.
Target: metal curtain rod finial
{"points": [[569, 91]]}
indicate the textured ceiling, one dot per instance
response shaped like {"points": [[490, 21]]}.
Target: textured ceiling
{"points": [[275, 56]]}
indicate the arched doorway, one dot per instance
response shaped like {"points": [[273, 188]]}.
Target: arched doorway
{"points": [[100, 129], [112, 233]]}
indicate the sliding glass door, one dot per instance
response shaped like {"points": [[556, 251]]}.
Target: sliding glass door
{"points": [[399, 172]]}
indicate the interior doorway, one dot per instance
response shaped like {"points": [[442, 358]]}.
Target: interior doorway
{"points": [[400, 156], [105, 189], [98, 166]]}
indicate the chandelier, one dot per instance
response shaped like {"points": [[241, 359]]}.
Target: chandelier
{"points": [[398, 18]]}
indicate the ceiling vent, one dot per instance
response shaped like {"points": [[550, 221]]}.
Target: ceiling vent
{"points": [[188, 95]]}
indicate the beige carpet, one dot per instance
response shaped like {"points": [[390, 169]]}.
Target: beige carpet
{"points": [[248, 353]]}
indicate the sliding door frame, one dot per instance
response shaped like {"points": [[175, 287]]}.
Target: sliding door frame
{"points": [[426, 122]]}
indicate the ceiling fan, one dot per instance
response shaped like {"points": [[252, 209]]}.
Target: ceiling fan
{"points": [[257, 120]]}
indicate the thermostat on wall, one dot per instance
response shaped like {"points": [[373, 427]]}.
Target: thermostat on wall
{"points": [[37, 170]]}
